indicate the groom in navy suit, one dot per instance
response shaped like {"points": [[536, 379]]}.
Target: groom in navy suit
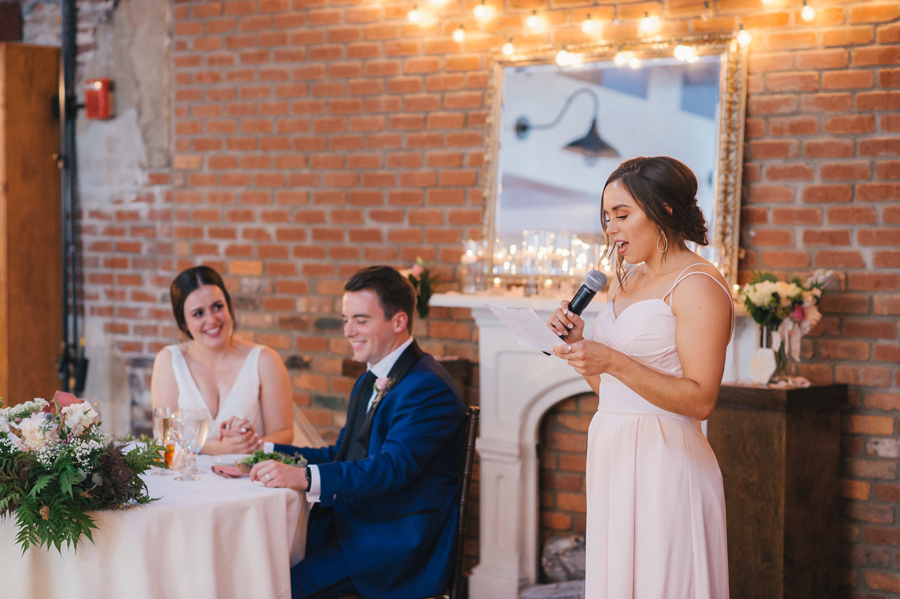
{"points": [[386, 491]]}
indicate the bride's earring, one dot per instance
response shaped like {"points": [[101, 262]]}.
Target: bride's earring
{"points": [[662, 237]]}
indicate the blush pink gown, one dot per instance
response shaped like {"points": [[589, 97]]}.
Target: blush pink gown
{"points": [[655, 502]]}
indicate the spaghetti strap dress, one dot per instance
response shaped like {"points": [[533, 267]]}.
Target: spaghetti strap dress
{"points": [[242, 400], [655, 501]]}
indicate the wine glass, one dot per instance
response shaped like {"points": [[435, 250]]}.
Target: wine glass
{"points": [[162, 424], [190, 427]]}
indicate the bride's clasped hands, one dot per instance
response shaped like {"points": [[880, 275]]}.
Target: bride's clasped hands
{"points": [[238, 436]]}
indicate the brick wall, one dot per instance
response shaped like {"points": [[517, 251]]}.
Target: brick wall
{"points": [[311, 138], [562, 446]]}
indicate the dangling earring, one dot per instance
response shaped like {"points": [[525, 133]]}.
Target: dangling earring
{"points": [[662, 235]]}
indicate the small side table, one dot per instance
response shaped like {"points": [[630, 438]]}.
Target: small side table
{"points": [[779, 451]]}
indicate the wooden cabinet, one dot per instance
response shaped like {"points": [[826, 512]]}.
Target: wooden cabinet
{"points": [[779, 451], [30, 223]]}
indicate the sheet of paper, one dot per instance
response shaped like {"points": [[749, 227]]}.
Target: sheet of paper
{"points": [[528, 327]]}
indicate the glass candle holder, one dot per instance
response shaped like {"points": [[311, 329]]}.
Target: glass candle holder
{"points": [[472, 267]]}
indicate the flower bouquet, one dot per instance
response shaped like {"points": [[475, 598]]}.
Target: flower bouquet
{"points": [[784, 312], [423, 283], [56, 465]]}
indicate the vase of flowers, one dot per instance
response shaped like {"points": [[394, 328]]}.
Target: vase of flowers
{"points": [[784, 312], [56, 465], [422, 281]]}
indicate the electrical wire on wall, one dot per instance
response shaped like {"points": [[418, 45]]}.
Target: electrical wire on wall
{"points": [[71, 363]]}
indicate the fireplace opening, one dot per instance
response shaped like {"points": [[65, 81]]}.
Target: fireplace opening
{"points": [[562, 454]]}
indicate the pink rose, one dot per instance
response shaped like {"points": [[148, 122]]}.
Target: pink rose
{"points": [[416, 270], [381, 383], [799, 314]]}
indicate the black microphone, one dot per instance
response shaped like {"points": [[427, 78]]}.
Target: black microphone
{"points": [[593, 282]]}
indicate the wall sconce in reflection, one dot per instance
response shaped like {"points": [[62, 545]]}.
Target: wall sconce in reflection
{"points": [[591, 146]]}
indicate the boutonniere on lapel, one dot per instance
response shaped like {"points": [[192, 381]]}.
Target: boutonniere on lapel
{"points": [[383, 384]]}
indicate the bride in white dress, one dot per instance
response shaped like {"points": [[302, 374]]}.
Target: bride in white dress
{"points": [[245, 387], [655, 502]]}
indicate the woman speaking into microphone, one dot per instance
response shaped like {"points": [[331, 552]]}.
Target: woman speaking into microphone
{"points": [[656, 355]]}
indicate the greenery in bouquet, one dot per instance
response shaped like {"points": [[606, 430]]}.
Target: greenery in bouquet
{"points": [[56, 466], [785, 310], [422, 281]]}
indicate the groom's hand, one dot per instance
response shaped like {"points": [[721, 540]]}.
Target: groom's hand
{"points": [[275, 474]]}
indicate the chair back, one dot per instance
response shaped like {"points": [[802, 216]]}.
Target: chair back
{"points": [[457, 584]]}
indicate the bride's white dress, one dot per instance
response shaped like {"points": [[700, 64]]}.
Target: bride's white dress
{"points": [[655, 502], [242, 400]]}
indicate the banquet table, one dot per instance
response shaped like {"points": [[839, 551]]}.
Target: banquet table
{"points": [[214, 538]]}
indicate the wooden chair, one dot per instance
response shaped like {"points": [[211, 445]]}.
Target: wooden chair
{"points": [[458, 588]]}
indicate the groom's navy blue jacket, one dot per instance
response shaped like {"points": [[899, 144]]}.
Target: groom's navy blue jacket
{"points": [[395, 510]]}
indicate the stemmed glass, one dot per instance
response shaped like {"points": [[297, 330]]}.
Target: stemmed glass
{"points": [[162, 425], [191, 426]]}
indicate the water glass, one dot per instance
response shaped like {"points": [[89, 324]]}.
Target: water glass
{"points": [[190, 428], [162, 424]]}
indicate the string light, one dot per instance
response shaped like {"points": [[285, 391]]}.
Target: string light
{"points": [[508, 48], [414, 15], [649, 24], [685, 53], [533, 21], [438, 2], [481, 11], [623, 57], [707, 12], [588, 26], [459, 34], [807, 13], [563, 58], [743, 37]]}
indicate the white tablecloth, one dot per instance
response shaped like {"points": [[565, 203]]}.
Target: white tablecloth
{"points": [[214, 538]]}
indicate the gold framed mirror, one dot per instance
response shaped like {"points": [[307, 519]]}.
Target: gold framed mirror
{"points": [[562, 120]]}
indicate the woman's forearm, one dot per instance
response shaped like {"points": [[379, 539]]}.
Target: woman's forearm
{"points": [[672, 393], [284, 436]]}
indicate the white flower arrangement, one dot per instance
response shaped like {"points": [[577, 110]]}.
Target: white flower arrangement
{"points": [[56, 465], [788, 309]]}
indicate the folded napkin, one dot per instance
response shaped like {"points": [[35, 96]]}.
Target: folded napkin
{"points": [[228, 471]]}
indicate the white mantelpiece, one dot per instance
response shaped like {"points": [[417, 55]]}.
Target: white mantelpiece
{"points": [[517, 386]]}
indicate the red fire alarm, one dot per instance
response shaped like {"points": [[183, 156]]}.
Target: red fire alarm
{"points": [[97, 99]]}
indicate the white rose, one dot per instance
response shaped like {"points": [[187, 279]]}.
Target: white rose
{"points": [[36, 432], [78, 417]]}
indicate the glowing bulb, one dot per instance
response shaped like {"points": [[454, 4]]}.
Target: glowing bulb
{"points": [[807, 13], [414, 15], [743, 37], [708, 13], [563, 58], [681, 52], [623, 58], [481, 11], [438, 2], [634, 63], [508, 48], [460, 34], [649, 24], [589, 26], [533, 21]]}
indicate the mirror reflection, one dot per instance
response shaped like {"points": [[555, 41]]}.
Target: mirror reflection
{"points": [[559, 131]]}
